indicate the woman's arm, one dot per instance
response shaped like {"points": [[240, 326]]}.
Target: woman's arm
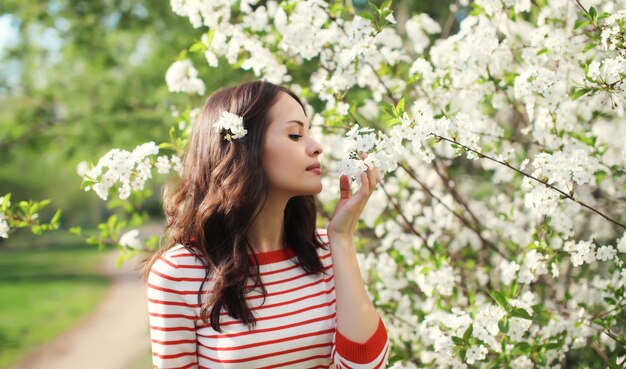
{"points": [[361, 336], [357, 318]]}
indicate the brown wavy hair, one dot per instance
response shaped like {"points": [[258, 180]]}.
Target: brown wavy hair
{"points": [[212, 205]]}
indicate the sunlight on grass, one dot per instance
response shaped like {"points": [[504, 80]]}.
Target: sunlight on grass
{"points": [[45, 291]]}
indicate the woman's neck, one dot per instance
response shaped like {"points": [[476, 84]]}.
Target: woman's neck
{"points": [[267, 231]]}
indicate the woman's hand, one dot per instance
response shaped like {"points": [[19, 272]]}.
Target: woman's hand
{"points": [[349, 207]]}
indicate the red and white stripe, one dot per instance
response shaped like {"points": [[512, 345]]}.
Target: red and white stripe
{"points": [[295, 323]]}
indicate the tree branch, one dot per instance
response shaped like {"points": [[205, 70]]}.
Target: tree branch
{"points": [[536, 179]]}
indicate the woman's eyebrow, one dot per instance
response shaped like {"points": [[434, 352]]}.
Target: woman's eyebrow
{"points": [[298, 122]]}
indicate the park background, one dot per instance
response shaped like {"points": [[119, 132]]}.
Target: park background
{"points": [[76, 79]]}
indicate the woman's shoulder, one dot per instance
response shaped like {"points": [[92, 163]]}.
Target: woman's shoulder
{"points": [[178, 261], [324, 250], [322, 235]]}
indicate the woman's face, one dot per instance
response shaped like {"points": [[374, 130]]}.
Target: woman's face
{"points": [[289, 149]]}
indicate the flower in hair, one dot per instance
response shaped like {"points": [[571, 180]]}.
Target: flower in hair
{"points": [[232, 124]]}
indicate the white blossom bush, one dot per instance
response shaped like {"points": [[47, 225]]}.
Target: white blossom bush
{"points": [[496, 238]]}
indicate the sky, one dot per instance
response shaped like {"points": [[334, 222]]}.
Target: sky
{"points": [[8, 32]]}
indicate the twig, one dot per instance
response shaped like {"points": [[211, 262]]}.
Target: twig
{"points": [[536, 179], [600, 352], [406, 221], [462, 219], [449, 22]]}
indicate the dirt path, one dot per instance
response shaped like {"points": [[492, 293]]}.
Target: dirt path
{"points": [[112, 337]]}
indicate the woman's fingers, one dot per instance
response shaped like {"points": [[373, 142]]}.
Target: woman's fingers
{"points": [[344, 187], [372, 175], [373, 178]]}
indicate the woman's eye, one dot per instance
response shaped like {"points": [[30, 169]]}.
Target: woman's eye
{"points": [[295, 137]]}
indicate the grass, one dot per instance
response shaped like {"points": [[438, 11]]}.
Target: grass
{"points": [[44, 292]]}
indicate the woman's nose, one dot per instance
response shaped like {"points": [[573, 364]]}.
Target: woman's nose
{"points": [[315, 148]]}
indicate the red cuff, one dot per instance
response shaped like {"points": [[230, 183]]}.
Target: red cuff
{"points": [[362, 353]]}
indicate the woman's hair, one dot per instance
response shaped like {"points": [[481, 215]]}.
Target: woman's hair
{"points": [[213, 204]]}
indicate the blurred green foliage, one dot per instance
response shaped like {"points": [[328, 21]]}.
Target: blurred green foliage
{"points": [[88, 76], [85, 77]]}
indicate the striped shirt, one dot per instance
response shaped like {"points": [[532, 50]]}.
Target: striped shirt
{"points": [[295, 325]]}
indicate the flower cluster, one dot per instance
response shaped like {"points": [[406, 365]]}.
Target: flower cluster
{"points": [[130, 169], [183, 77], [131, 239], [4, 226], [231, 125]]}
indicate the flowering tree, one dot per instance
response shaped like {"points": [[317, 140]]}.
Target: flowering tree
{"points": [[496, 238]]}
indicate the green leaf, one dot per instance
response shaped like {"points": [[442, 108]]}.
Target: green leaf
{"points": [[468, 333], [588, 47], [400, 106], [503, 325], [55, 218], [542, 51], [593, 12], [457, 340], [197, 47], [524, 347], [210, 36], [521, 313], [5, 199], [392, 121], [374, 7], [610, 300], [182, 55], [581, 23], [396, 358], [580, 93], [591, 141], [166, 145], [476, 9], [553, 345], [541, 314], [499, 298], [76, 230], [36, 229]]}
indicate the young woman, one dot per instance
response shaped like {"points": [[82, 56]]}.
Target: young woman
{"points": [[245, 279]]}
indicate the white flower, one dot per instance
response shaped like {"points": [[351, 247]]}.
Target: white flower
{"points": [[594, 69], [581, 252], [4, 226], [131, 239], [130, 169], [605, 253], [163, 165], [476, 353], [82, 168], [352, 168], [343, 108], [366, 142], [517, 328], [508, 271], [181, 76], [533, 266], [176, 164], [232, 124], [522, 362], [621, 244]]}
